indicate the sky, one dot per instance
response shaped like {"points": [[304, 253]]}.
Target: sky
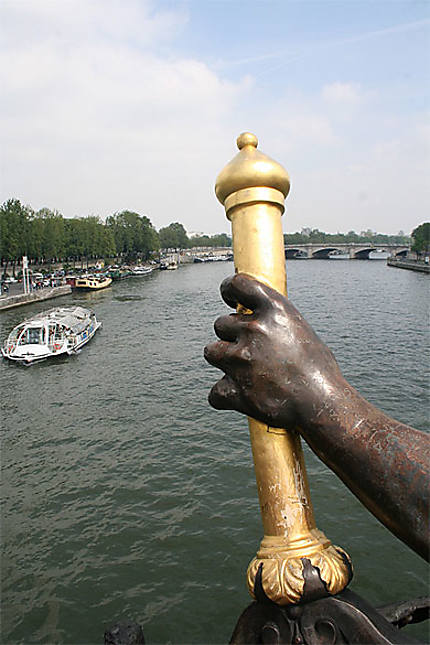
{"points": [[109, 105]]}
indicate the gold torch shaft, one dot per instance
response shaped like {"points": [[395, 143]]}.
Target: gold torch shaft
{"points": [[283, 491], [253, 188]]}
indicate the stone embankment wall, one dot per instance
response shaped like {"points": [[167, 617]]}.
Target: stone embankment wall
{"points": [[188, 255], [412, 265], [8, 302]]}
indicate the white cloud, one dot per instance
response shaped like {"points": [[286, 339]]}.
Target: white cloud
{"points": [[99, 113], [345, 93], [382, 186], [302, 128], [72, 21], [94, 125]]}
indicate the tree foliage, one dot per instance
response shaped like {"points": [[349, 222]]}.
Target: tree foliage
{"points": [[173, 236], [314, 236], [421, 239], [15, 232], [133, 234], [52, 229], [219, 240], [46, 236]]}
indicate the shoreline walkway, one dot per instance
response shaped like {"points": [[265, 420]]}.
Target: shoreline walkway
{"points": [[412, 265], [17, 300]]}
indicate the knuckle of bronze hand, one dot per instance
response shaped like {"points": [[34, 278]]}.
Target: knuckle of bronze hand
{"points": [[244, 354], [258, 326]]}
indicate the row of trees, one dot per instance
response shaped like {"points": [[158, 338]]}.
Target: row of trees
{"points": [[315, 236], [46, 236]]}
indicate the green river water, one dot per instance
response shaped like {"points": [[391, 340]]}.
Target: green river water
{"points": [[126, 496]]}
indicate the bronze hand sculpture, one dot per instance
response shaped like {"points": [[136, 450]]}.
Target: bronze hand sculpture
{"points": [[280, 374], [278, 371]]}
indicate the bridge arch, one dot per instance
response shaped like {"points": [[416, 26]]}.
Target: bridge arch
{"points": [[352, 249], [323, 254], [295, 254], [363, 254]]}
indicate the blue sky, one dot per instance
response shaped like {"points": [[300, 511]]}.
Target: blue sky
{"points": [[108, 105]]}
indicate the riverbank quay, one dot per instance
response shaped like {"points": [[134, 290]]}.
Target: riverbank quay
{"points": [[17, 300], [208, 253], [412, 265]]}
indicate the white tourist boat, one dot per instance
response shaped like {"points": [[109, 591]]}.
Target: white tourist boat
{"points": [[62, 330], [141, 271]]}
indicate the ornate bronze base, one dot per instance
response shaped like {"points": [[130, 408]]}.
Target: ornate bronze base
{"points": [[344, 618], [323, 619], [333, 620], [320, 619]]}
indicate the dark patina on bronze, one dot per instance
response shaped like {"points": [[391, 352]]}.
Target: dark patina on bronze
{"points": [[278, 371], [321, 619]]}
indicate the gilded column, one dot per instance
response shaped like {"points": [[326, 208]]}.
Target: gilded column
{"points": [[253, 188]]}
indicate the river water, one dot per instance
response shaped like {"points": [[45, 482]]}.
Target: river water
{"points": [[126, 496]]}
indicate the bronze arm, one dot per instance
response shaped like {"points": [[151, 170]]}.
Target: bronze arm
{"points": [[279, 371]]}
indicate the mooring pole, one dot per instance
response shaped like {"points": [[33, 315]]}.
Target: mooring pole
{"points": [[252, 188], [25, 276]]}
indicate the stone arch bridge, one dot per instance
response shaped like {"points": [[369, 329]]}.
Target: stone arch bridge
{"points": [[355, 251]]}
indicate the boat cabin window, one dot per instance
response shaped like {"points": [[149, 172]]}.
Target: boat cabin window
{"points": [[55, 333], [58, 335], [15, 334], [31, 336]]}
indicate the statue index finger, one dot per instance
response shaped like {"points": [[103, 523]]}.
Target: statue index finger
{"points": [[243, 289]]}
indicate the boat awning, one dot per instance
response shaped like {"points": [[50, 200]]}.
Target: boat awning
{"points": [[74, 318]]}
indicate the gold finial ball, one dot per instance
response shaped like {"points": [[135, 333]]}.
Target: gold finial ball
{"points": [[250, 168], [246, 139]]}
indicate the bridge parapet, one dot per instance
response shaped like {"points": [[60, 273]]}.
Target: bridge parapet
{"points": [[353, 250]]}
